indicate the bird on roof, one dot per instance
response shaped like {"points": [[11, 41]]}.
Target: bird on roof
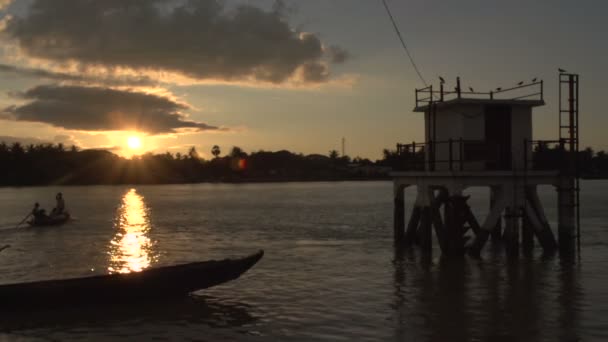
{"points": [[471, 89], [498, 89], [561, 70], [534, 80], [520, 83], [441, 80]]}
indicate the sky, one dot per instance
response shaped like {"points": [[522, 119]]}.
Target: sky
{"points": [[267, 75]]}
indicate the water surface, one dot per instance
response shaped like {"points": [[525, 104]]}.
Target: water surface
{"points": [[330, 271]]}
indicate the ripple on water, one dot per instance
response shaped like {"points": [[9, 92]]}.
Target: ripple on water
{"points": [[329, 271]]}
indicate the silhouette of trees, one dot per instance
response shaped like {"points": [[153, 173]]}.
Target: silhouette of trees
{"points": [[54, 164], [193, 154], [237, 152]]}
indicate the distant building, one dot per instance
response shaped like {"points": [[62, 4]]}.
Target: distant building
{"points": [[484, 139]]}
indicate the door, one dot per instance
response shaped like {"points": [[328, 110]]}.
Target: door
{"points": [[498, 137]]}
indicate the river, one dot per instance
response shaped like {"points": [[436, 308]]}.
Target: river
{"points": [[330, 271]]}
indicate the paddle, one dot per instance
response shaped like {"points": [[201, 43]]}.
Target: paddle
{"points": [[25, 218]]}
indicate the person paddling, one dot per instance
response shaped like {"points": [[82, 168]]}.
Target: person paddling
{"points": [[37, 212], [60, 207]]}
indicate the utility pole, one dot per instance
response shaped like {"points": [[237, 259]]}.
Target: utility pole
{"points": [[343, 147]]}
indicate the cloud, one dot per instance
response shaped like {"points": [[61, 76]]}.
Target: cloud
{"points": [[4, 4], [66, 140], [84, 78], [199, 39], [103, 109], [337, 54], [112, 149]]}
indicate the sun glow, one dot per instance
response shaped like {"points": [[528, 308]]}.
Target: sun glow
{"points": [[134, 142]]}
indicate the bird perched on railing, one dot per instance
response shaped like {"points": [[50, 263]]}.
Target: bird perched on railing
{"points": [[520, 83], [561, 70], [471, 89], [498, 89], [441, 80], [534, 80]]}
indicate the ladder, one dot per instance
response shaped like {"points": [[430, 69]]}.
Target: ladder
{"points": [[569, 136]]}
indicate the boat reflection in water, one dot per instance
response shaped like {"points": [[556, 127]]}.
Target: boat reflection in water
{"points": [[131, 249]]}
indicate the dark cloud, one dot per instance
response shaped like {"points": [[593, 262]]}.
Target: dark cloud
{"points": [[59, 139], [102, 109], [106, 148], [119, 80], [337, 54], [201, 39]]}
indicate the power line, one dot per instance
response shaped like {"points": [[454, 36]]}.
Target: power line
{"points": [[407, 51]]}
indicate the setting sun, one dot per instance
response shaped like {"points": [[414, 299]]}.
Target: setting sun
{"points": [[134, 143]]}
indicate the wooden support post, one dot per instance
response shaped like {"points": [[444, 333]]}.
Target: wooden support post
{"points": [[399, 214]]}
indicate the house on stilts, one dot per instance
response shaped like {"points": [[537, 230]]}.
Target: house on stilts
{"points": [[485, 139]]}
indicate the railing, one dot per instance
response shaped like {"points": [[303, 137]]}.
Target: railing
{"points": [[452, 154], [533, 91], [412, 156], [461, 154]]}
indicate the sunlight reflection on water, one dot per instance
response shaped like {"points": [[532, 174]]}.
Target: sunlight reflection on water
{"points": [[131, 249]]}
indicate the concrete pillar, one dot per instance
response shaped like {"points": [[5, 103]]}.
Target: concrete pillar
{"points": [[497, 229], [455, 216], [536, 218], [490, 222], [566, 212], [527, 235], [399, 213], [511, 236], [425, 230]]}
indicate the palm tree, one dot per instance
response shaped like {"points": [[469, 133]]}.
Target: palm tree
{"points": [[215, 150]]}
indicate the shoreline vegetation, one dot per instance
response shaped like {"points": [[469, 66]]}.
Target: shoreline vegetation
{"points": [[48, 164]]}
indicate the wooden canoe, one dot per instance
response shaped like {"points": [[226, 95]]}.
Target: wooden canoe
{"points": [[152, 283], [53, 220]]}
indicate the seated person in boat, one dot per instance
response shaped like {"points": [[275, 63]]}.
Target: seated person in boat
{"points": [[60, 207], [38, 212]]}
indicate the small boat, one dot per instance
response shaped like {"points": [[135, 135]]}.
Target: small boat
{"points": [[52, 220], [161, 282]]}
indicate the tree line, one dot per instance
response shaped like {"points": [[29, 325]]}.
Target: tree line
{"points": [[46, 164]]}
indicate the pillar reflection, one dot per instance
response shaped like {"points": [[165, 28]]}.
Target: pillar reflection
{"points": [[131, 249]]}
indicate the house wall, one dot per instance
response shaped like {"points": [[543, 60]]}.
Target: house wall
{"points": [[457, 122], [521, 123], [467, 121]]}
